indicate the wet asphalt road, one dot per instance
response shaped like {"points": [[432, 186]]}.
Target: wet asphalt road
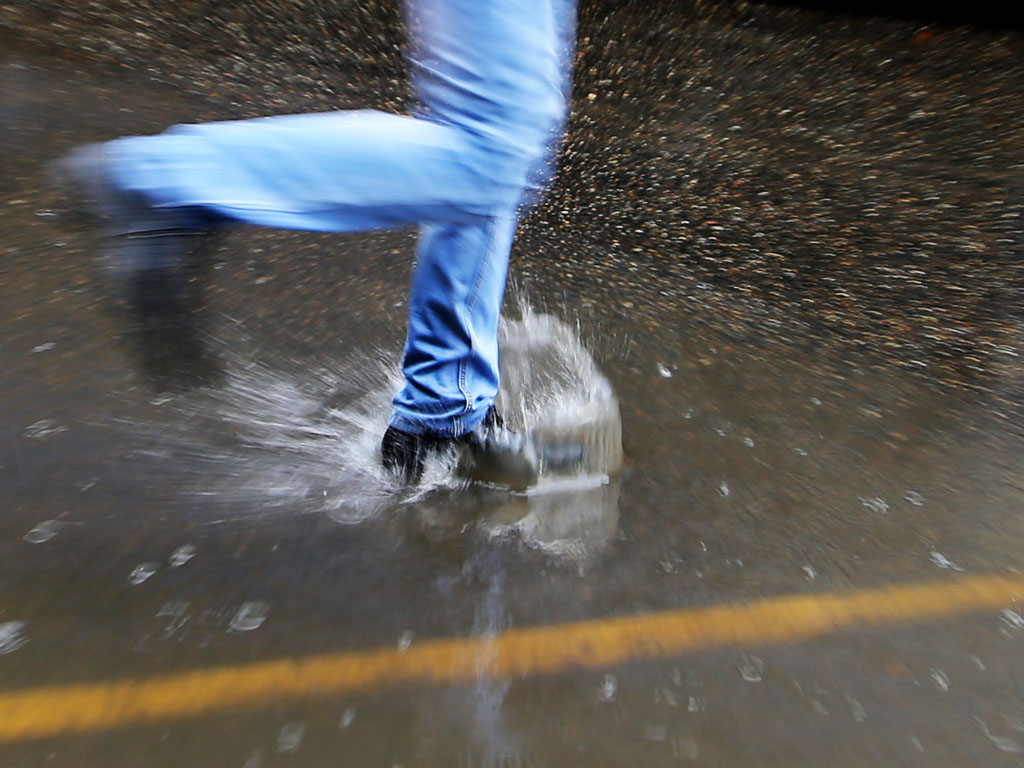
{"points": [[792, 242]]}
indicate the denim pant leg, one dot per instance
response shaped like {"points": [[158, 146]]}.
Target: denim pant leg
{"points": [[490, 75], [451, 352]]}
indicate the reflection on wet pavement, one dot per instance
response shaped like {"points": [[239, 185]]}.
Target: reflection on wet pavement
{"points": [[787, 241]]}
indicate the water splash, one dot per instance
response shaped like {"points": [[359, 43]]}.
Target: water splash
{"points": [[250, 616], [142, 572], [43, 532], [12, 636], [287, 437], [181, 555], [290, 738]]}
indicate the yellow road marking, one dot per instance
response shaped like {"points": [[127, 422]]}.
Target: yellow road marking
{"points": [[48, 711]]}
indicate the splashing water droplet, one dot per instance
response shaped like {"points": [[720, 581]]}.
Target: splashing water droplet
{"points": [[181, 555], [405, 640], [43, 532], [856, 709], [608, 688], [248, 617], [290, 737], [43, 429], [12, 636], [809, 571], [1012, 619], [723, 489], [914, 498], [876, 504], [943, 562], [347, 717], [748, 441], [751, 668], [664, 372], [940, 679], [1003, 743], [142, 572]]}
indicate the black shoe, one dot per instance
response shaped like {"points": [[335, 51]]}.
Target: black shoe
{"points": [[403, 453], [148, 252], [492, 453]]}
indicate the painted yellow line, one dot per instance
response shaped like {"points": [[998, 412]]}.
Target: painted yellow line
{"points": [[48, 711]]}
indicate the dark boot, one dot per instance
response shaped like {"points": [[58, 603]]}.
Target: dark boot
{"points": [[491, 453], [147, 251]]}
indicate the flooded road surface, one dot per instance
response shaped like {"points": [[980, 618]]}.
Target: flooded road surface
{"points": [[826, 409]]}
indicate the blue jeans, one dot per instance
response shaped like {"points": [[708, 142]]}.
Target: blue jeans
{"points": [[491, 77]]}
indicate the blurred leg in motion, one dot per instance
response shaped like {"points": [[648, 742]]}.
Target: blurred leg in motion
{"points": [[491, 78]]}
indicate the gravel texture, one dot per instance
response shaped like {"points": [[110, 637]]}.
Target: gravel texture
{"points": [[860, 176]]}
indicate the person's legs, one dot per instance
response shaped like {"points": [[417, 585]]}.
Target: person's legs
{"points": [[334, 171], [501, 76], [491, 77], [451, 353]]}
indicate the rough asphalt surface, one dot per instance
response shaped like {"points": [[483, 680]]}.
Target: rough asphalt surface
{"points": [[792, 239], [863, 174]]}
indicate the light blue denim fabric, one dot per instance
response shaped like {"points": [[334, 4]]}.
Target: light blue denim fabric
{"points": [[491, 77]]}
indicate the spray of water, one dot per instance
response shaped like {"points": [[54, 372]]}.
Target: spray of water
{"points": [[277, 437]]}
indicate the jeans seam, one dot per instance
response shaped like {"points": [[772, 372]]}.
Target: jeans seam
{"points": [[471, 300]]}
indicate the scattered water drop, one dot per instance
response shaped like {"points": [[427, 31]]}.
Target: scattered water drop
{"points": [[43, 429], [688, 414], [45, 531], [290, 737], [723, 489], [347, 717], [751, 668], [876, 504], [44, 347], [815, 401], [749, 442], [1012, 619], [664, 372], [940, 679], [181, 555], [943, 562], [1004, 743], [800, 451], [142, 572], [608, 688], [254, 760], [45, 213], [248, 617], [914, 498], [697, 704], [917, 743], [978, 663], [405, 640], [856, 709], [819, 708], [12, 636], [809, 571]]}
